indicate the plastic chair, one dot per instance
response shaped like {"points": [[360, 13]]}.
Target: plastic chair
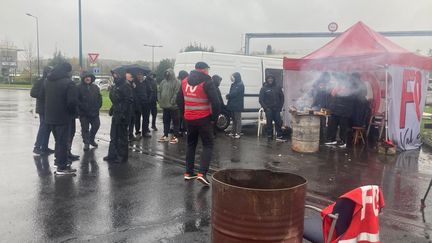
{"points": [[312, 226], [262, 121]]}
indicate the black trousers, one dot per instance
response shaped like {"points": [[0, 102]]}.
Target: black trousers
{"points": [[137, 120], [61, 136], [168, 116], [145, 114], [345, 126], [273, 116], [118, 146], [131, 125], [72, 130], [88, 134], [193, 133], [153, 111]]}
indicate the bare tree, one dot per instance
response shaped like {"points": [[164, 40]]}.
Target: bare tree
{"points": [[30, 61]]}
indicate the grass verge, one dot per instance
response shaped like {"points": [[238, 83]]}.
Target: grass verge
{"points": [[425, 132], [15, 86]]}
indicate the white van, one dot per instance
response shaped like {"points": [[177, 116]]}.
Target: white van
{"points": [[253, 70]]}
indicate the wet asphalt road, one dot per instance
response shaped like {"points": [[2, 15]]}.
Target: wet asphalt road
{"points": [[147, 200]]}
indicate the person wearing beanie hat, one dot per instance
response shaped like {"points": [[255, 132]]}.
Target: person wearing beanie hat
{"points": [[200, 105], [61, 101], [90, 102]]}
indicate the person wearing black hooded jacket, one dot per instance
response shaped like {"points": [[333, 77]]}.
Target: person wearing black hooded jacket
{"points": [[61, 101], [90, 101], [235, 103], [271, 99], [38, 91], [199, 102], [122, 98]]}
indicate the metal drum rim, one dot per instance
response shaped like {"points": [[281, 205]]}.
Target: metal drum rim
{"points": [[257, 189]]}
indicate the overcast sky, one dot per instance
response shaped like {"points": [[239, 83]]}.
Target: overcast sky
{"points": [[117, 28]]}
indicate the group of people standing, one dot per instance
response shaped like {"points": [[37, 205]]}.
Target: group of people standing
{"points": [[348, 105], [190, 103], [59, 102]]}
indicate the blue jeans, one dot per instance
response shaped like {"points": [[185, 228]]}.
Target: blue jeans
{"points": [[42, 138]]}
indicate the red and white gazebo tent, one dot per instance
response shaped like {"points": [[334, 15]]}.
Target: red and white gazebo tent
{"points": [[396, 76]]}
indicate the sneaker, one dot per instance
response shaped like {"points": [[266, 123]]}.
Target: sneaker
{"points": [[66, 171], [163, 139], [203, 179], [94, 144], [236, 136], [188, 176], [173, 140], [342, 145], [331, 143], [37, 150], [137, 133], [154, 128], [86, 147], [280, 139], [230, 134], [69, 168]]}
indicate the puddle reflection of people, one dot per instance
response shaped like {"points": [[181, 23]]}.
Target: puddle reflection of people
{"points": [[121, 201], [236, 152], [197, 210], [42, 165], [88, 163], [59, 222]]}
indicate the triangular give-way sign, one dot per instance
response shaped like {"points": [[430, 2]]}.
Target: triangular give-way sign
{"points": [[93, 57]]}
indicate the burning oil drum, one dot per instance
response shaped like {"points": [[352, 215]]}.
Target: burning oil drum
{"points": [[257, 206], [306, 132]]}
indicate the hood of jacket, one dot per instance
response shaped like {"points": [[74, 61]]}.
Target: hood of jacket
{"points": [[237, 77], [172, 76], [86, 74], [60, 71], [197, 77], [266, 83]]}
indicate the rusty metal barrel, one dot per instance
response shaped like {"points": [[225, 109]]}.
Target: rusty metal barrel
{"points": [[306, 133], [257, 206]]}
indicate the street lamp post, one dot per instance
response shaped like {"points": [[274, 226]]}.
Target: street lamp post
{"points": [[37, 40], [80, 36], [152, 47]]}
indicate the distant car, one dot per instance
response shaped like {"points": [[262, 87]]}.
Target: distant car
{"points": [[103, 84]]}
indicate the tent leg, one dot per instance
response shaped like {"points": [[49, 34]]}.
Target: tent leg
{"points": [[386, 104]]}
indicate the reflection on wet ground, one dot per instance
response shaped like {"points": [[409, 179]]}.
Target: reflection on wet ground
{"points": [[147, 199]]}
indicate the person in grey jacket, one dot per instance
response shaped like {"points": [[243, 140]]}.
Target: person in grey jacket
{"points": [[167, 95]]}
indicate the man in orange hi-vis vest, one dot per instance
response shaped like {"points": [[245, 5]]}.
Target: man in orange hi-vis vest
{"points": [[199, 102], [367, 202]]}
